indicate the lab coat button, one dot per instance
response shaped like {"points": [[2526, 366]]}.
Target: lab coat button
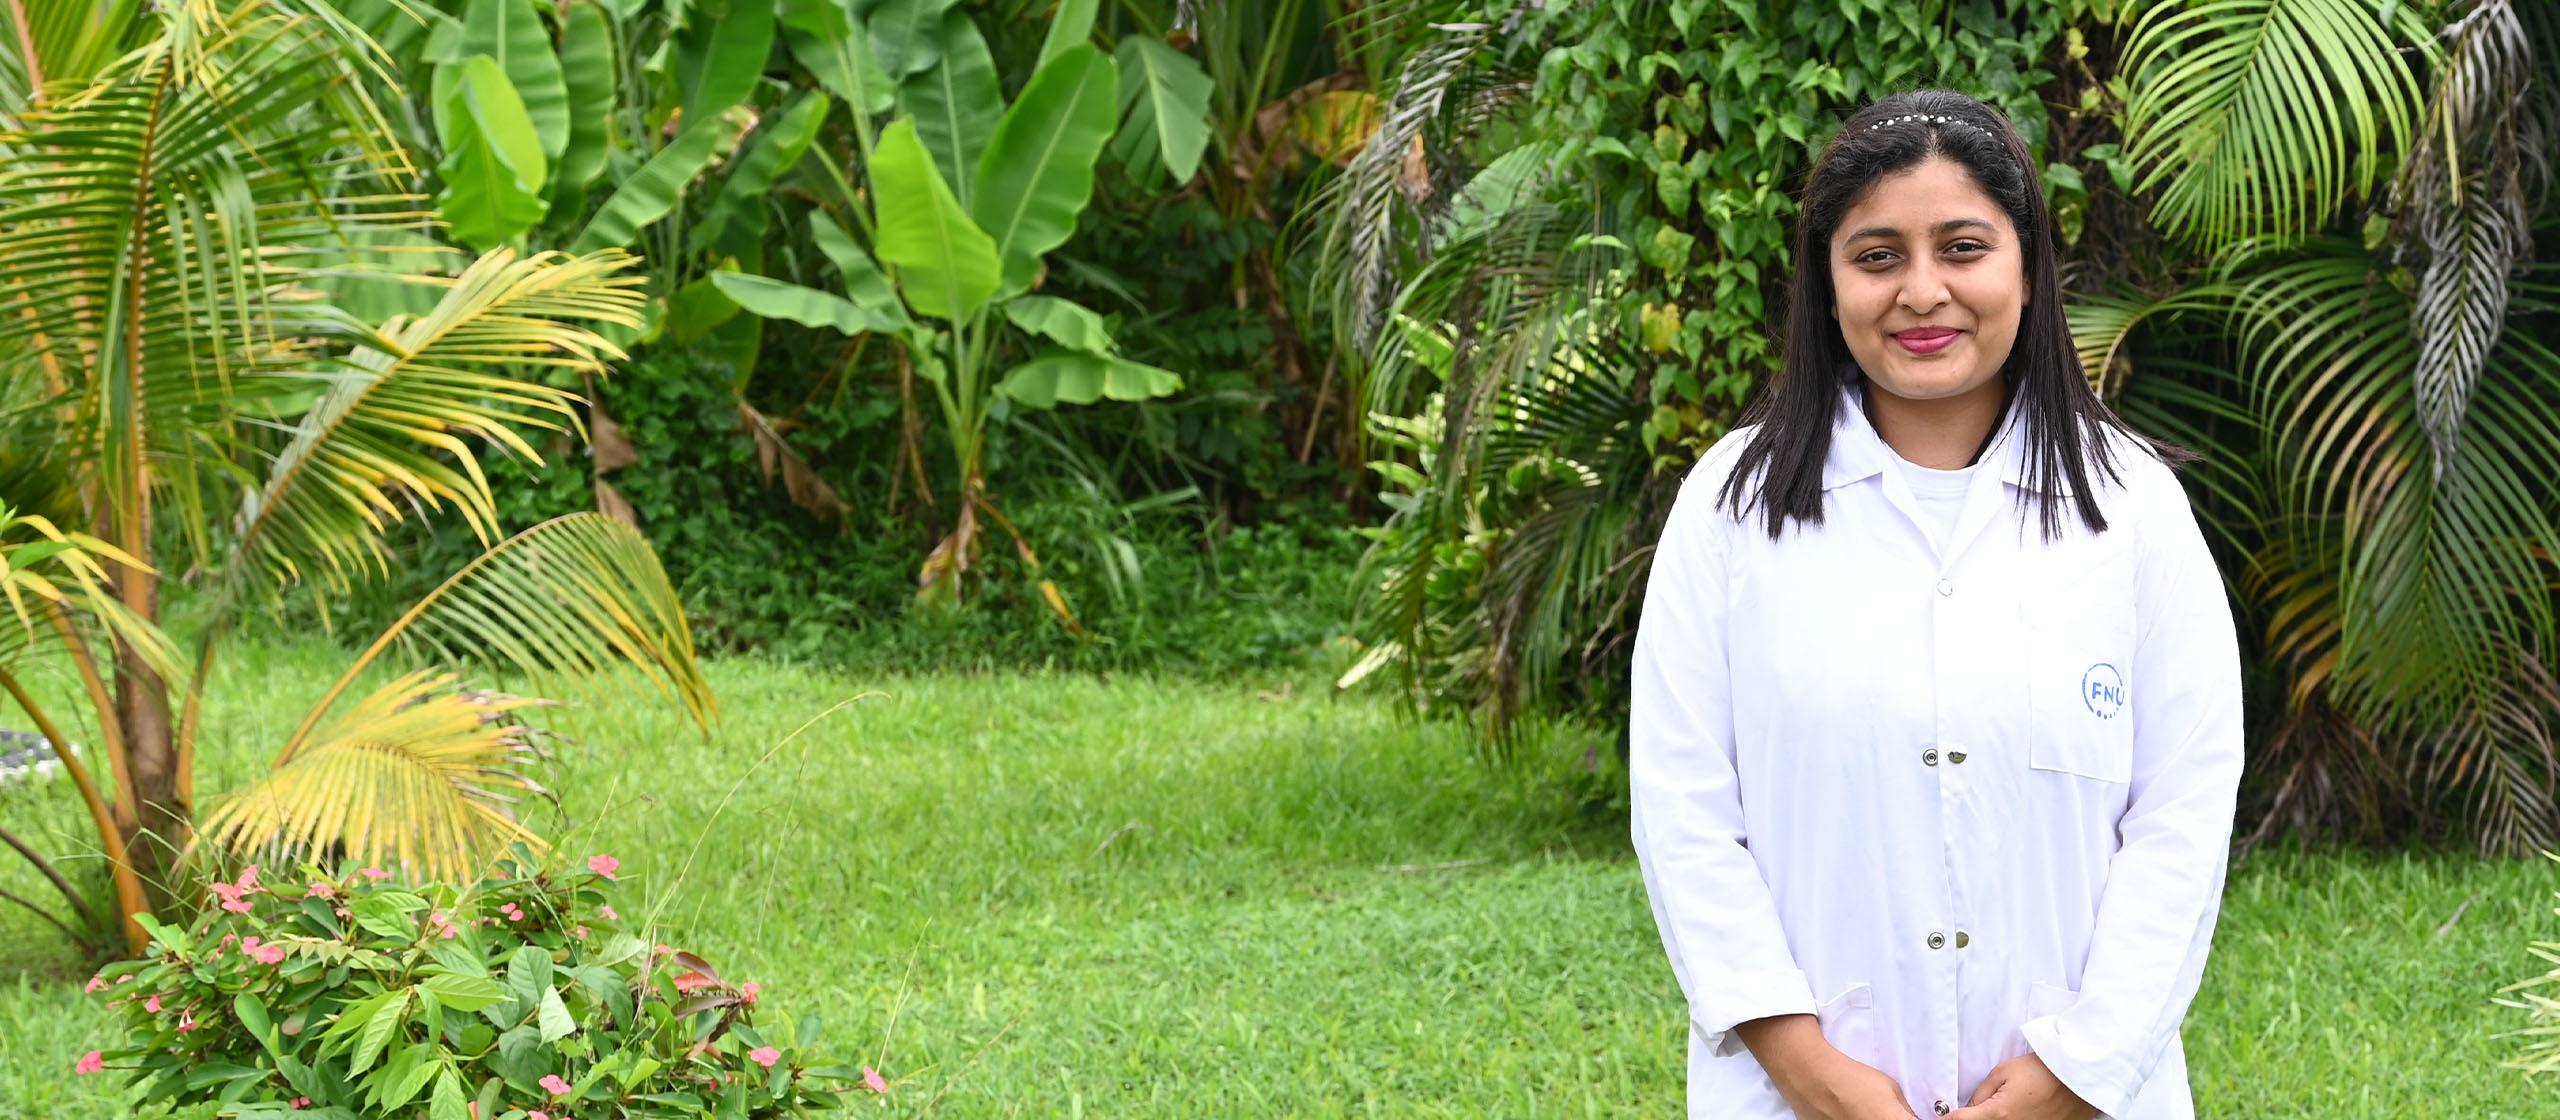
{"points": [[1937, 941], [1946, 587], [1955, 756], [1929, 757], [1941, 1106], [1963, 939]]}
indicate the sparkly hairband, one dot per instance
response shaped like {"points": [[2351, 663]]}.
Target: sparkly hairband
{"points": [[1931, 117]]}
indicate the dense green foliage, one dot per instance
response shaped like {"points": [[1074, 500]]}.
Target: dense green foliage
{"points": [[333, 997], [1177, 897]]}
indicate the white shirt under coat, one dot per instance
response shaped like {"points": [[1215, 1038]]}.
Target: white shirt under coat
{"points": [[1958, 800]]}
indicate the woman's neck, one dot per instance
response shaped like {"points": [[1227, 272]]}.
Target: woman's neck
{"points": [[1947, 433]]}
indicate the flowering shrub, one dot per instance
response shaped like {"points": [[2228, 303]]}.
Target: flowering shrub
{"points": [[522, 997]]}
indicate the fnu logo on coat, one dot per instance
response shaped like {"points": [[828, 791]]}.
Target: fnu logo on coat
{"points": [[2102, 688]]}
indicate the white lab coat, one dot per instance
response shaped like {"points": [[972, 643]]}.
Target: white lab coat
{"points": [[1956, 805]]}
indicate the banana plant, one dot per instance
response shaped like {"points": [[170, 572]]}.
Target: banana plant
{"points": [[967, 197]]}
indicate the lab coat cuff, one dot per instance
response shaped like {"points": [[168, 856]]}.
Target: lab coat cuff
{"points": [[2083, 1063], [1743, 996]]}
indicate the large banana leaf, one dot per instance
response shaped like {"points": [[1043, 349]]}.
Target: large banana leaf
{"points": [[946, 264], [586, 71], [2261, 116], [1074, 377], [956, 103], [1165, 96], [510, 32], [494, 170], [650, 193], [778, 299], [720, 55], [834, 45], [1037, 173], [906, 35]]}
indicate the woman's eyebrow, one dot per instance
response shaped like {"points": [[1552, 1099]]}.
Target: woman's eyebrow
{"points": [[1941, 229]]}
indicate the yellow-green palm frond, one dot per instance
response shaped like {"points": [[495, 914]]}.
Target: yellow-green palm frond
{"points": [[418, 772], [2261, 116], [396, 423], [568, 603], [154, 225], [2101, 323], [41, 564]]}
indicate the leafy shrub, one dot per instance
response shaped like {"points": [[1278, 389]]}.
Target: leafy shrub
{"points": [[522, 997]]}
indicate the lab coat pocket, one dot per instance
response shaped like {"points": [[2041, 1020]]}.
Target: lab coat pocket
{"points": [[2079, 653], [1849, 1021]]}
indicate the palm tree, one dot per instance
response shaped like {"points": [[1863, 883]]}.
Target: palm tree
{"points": [[174, 384]]}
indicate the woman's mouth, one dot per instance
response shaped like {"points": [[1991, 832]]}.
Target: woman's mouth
{"points": [[1927, 340]]}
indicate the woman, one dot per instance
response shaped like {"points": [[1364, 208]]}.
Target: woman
{"points": [[1936, 722]]}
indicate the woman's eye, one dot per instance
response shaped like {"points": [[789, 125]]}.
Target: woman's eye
{"points": [[1968, 247]]}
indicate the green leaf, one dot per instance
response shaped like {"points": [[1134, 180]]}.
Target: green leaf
{"points": [[777, 146], [832, 43], [720, 56], [1037, 172], [777, 299], [587, 69], [493, 167], [1071, 26], [649, 193], [696, 310], [447, 1103], [523, 1059], [905, 37], [864, 283], [1165, 97], [946, 264], [378, 1031], [554, 1017], [1075, 377], [956, 104], [510, 31], [465, 993], [402, 1078], [1064, 322], [528, 976]]}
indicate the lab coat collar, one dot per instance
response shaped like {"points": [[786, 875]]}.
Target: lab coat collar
{"points": [[1858, 453]]}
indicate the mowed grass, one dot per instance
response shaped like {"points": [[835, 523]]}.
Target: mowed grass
{"points": [[1149, 897]]}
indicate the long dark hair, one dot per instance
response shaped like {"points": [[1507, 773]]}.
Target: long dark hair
{"points": [[2063, 421]]}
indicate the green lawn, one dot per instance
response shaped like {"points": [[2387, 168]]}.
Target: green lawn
{"points": [[1043, 896]]}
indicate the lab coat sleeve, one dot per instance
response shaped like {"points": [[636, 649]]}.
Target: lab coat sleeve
{"points": [[1718, 921], [2164, 887]]}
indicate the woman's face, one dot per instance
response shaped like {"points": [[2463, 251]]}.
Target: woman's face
{"points": [[1928, 281]]}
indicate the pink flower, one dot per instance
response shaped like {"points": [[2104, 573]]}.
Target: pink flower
{"points": [[663, 950], [127, 978], [186, 1022], [300, 1103], [268, 954], [374, 873], [604, 865], [238, 905], [764, 1056], [554, 1086], [513, 914], [323, 890], [96, 984], [152, 1005], [871, 1080], [580, 933], [747, 991], [537, 1114], [91, 1062], [607, 911], [249, 878]]}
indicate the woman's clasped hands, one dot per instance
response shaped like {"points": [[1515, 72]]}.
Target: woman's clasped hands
{"points": [[1821, 1083]]}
